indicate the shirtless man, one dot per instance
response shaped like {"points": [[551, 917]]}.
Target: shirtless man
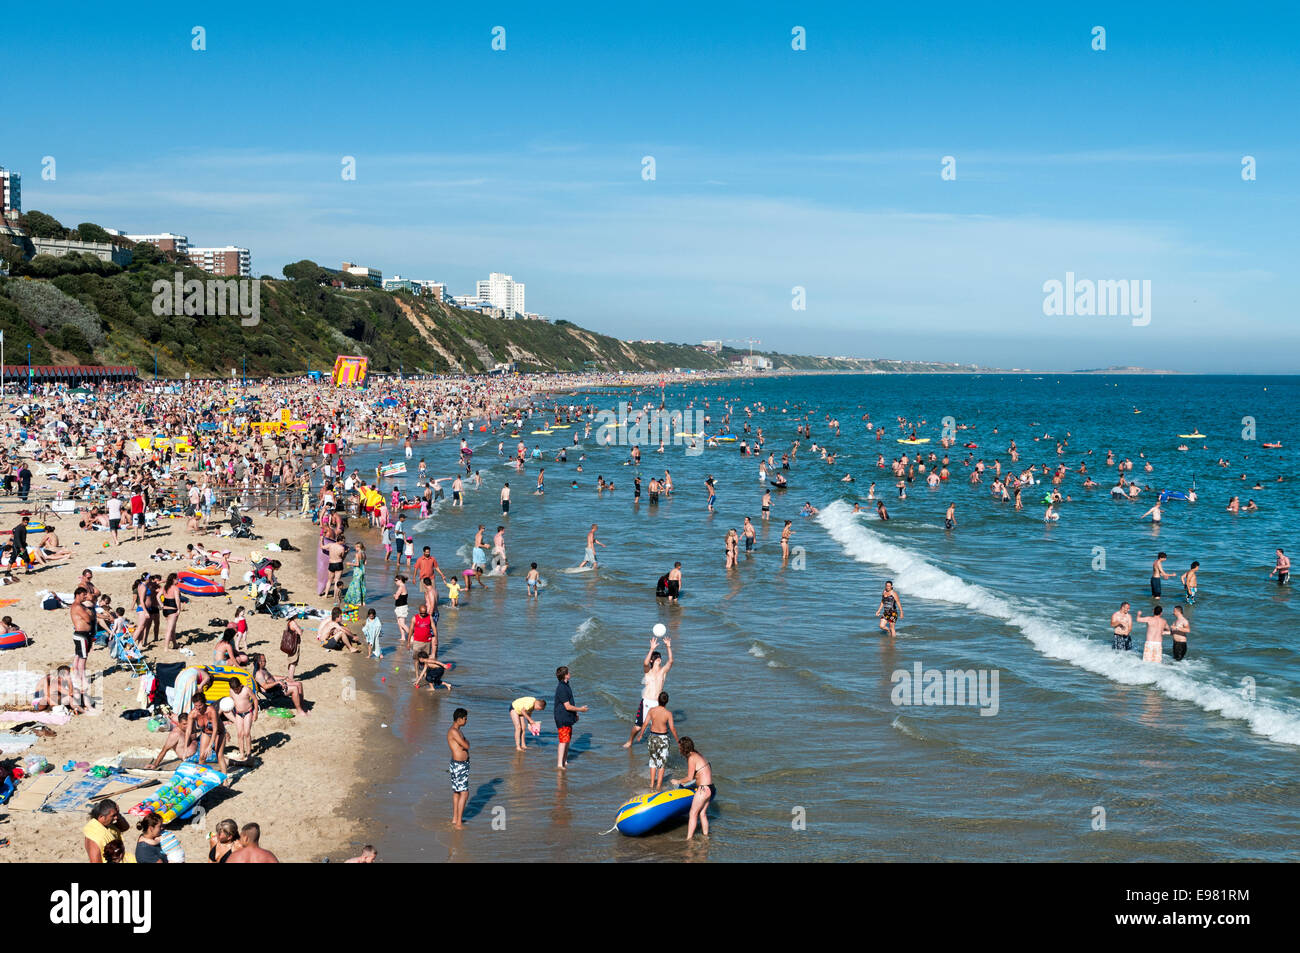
{"points": [[499, 563], [249, 851], [1156, 629], [333, 627], [660, 722], [1121, 623], [592, 542], [1282, 568], [1158, 573], [1188, 579], [176, 741], [767, 505], [654, 673], [749, 534], [674, 582], [336, 549], [950, 517], [83, 626], [458, 766], [505, 500]]}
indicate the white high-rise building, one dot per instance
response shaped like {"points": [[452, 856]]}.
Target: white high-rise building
{"points": [[503, 292], [11, 194]]}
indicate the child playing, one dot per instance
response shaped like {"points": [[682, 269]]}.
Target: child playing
{"points": [[532, 578], [453, 591], [371, 631], [241, 631]]}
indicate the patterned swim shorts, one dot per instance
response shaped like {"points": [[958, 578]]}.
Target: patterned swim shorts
{"points": [[565, 733], [658, 746], [1122, 643], [459, 771]]}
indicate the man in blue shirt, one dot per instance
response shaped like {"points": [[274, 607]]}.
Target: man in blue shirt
{"points": [[566, 715]]}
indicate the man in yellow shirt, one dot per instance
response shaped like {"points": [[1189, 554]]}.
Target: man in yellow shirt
{"points": [[105, 827]]}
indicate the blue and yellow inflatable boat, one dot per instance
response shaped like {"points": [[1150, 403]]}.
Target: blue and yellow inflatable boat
{"points": [[644, 813]]}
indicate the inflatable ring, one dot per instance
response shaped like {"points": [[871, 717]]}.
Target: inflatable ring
{"points": [[13, 640]]}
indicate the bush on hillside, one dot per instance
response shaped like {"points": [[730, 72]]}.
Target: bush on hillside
{"points": [[45, 306]]}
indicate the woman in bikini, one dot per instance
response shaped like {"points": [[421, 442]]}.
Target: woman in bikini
{"points": [[699, 772], [243, 716], [171, 607]]}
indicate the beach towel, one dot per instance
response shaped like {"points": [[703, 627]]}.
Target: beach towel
{"points": [[43, 717], [12, 743], [18, 685], [78, 790], [181, 695]]}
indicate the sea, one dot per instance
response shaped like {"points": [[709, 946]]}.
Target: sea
{"points": [[999, 725]]}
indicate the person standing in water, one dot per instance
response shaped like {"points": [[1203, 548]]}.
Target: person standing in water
{"points": [[590, 555], [1121, 623], [1180, 629], [458, 766], [654, 674], [890, 610], [1188, 579], [950, 517], [1282, 568], [701, 773], [1156, 628], [660, 722], [1158, 573]]}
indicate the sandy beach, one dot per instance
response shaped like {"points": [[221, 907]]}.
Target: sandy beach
{"points": [[303, 769]]}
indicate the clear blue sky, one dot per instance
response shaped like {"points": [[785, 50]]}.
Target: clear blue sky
{"points": [[775, 168]]}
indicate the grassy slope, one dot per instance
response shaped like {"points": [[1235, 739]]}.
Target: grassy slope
{"points": [[305, 326]]}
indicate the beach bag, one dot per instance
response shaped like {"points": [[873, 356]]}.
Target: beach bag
{"points": [[289, 641]]}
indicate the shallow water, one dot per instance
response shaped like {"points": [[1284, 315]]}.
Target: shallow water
{"points": [[785, 683]]}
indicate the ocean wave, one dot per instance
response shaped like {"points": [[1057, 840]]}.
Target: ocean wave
{"points": [[913, 575], [586, 630]]}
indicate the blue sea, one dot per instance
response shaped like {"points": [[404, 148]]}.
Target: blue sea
{"points": [[782, 678]]}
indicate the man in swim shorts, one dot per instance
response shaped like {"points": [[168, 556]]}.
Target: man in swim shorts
{"points": [[1158, 573], [1121, 623], [458, 766], [660, 722], [1189, 583], [1156, 628], [1282, 568]]}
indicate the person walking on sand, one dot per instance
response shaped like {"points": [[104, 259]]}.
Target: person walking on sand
{"points": [[590, 555], [660, 722], [400, 608], [700, 772], [458, 766], [566, 715], [521, 716]]}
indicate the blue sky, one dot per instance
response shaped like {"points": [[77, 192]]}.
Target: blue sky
{"points": [[774, 168]]}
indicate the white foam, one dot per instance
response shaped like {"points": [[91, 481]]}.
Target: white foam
{"points": [[756, 650], [584, 630], [913, 575]]}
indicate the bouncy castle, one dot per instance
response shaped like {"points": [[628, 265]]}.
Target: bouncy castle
{"points": [[349, 371]]}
